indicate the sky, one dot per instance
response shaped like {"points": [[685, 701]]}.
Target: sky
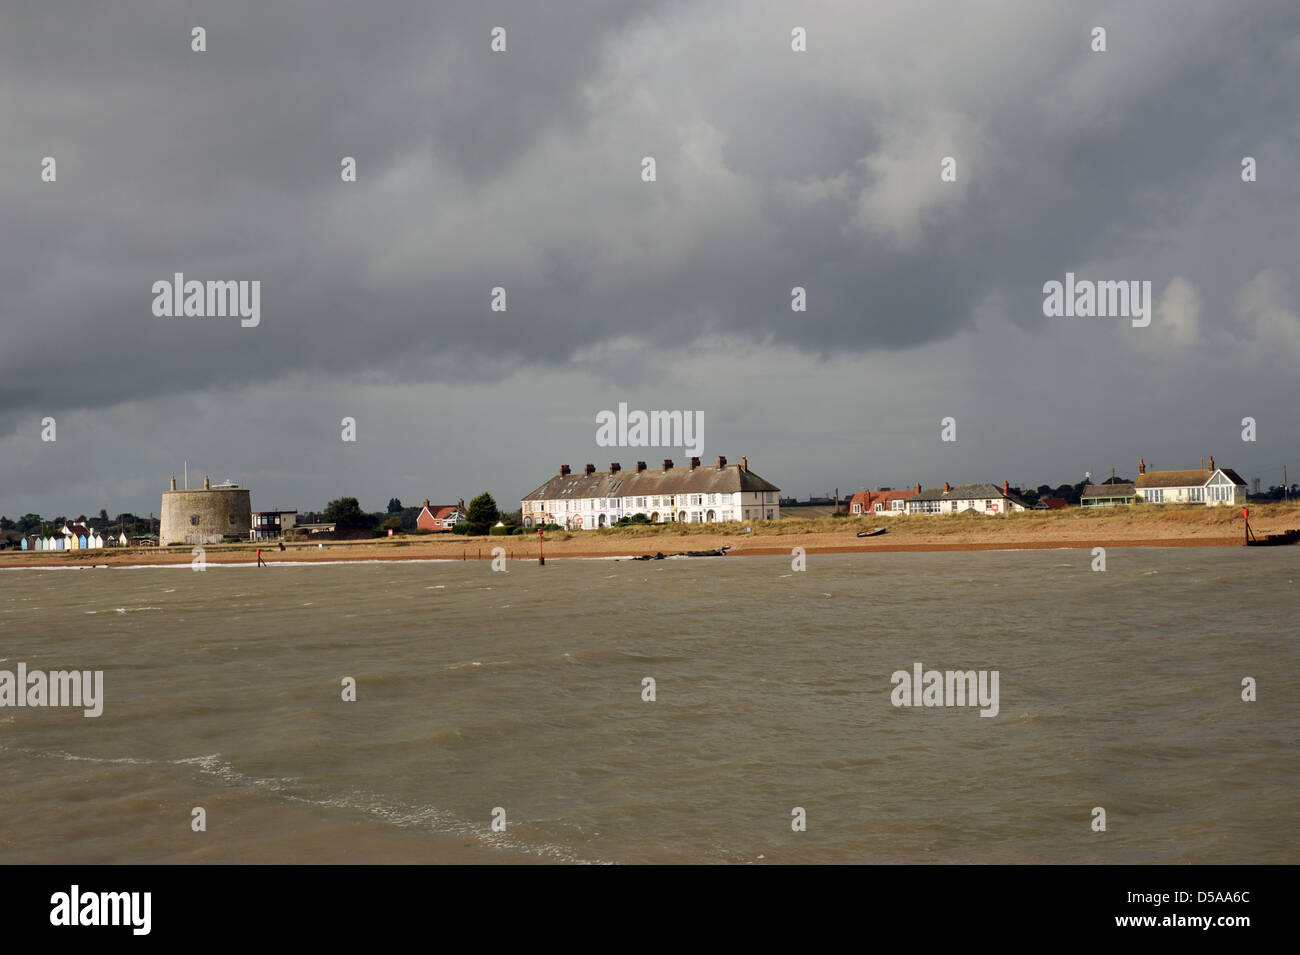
{"points": [[523, 169]]}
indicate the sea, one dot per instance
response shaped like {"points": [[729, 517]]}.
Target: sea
{"points": [[707, 710]]}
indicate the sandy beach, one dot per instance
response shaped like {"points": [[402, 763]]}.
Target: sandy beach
{"points": [[1141, 526]]}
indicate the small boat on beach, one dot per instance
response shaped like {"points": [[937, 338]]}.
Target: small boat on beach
{"points": [[872, 533]]}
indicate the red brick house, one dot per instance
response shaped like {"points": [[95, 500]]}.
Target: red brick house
{"points": [[879, 502], [440, 517]]}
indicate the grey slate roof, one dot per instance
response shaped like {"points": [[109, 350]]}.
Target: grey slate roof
{"points": [[979, 491], [1108, 490], [705, 479]]}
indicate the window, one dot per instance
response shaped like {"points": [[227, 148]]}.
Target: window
{"points": [[194, 520], [1198, 494], [896, 505], [232, 520], [1156, 496], [768, 499]]}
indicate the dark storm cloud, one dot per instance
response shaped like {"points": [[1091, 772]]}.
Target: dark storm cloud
{"points": [[521, 169]]}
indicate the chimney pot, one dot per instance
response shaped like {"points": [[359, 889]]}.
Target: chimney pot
{"points": [[173, 482], [722, 462], [564, 469], [207, 483], [1006, 486], [1142, 466], [695, 463], [614, 467], [744, 463], [668, 463], [1211, 462], [640, 466], [946, 488], [918, 488], [591, 468]]}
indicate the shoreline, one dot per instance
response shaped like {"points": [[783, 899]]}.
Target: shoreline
{"points": [[1073, 529], [353, 552]]}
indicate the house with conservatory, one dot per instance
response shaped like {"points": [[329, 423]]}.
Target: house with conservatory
{"points": [[1209, 486]]}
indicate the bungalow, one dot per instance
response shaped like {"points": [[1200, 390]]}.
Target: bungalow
{"points": [[884, 502], [440, 517], [1210, 486], [1107, 495], [981, 497]]}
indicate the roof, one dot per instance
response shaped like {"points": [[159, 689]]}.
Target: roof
{"points": [[1195, 477], [705, 479], [1108, 490], [440, 511], [980, 490]]}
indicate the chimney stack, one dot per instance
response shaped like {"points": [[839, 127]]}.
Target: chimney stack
{"points": [[615, 467], [591, 468], [946, 488], [1211, 462], [695, 463], [744, 464], [918, 488], [426, 502], [640, 466], [173, 482], [1006, 486], [207, 483], [564, 469], [722, 462], [1142, 466], [668, 463]]}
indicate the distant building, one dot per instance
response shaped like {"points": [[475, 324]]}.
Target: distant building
{"points": [[1210, 486], [1107, 495], [697, 494], [440, 517], [981, 497], [322, 528], [205, 516], [883, 502], [1053, 503], [271, 525]]}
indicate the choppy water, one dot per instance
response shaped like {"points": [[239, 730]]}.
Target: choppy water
{"points": [[523, 690]]}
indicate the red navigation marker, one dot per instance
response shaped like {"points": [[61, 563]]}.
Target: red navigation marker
{"points": [[1245, 512]]}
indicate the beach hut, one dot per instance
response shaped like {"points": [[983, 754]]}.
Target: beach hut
{"points": [[24, 543], [52, 544], [97, 542], [121, 539], [81, 542]]}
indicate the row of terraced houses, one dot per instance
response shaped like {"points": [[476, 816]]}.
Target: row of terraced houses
{"points": [[732, 492]]}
